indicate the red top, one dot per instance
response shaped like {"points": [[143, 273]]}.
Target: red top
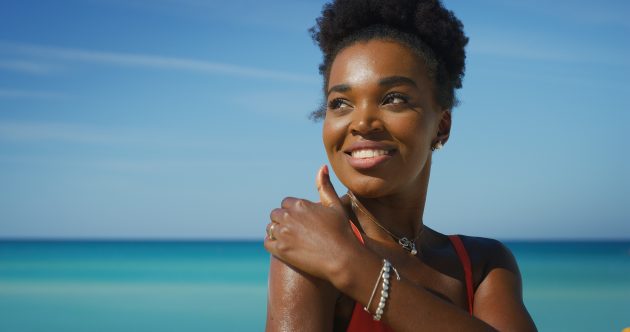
{"points": [[361, 321]]}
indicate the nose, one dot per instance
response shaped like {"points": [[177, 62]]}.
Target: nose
{"points": [[366, 120]]}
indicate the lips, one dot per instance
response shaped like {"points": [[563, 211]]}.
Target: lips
{"points": [[365, 155]]}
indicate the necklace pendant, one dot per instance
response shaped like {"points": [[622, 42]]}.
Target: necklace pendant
{"points": [[408, 245]]}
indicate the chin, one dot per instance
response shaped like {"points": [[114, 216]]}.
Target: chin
{"points": [[367, 186]]}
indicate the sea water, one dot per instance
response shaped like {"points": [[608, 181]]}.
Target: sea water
{"points": [[158, 286]]}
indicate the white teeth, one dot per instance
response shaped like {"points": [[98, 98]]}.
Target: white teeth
{"points": [[366, 153]]}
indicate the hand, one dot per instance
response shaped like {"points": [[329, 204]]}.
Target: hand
{"points": [[313, 237]]}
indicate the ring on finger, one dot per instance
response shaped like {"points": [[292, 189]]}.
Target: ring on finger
{"points": [[270, 231]]}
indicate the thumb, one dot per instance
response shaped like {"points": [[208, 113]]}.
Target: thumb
{"points": [[327, 194]]}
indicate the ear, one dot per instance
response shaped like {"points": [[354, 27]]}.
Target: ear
{"points": [[444, 127]]}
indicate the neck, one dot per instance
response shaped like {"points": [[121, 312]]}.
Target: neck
{"points": [[400, 213]]}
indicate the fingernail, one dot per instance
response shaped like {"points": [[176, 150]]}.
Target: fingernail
{"points": [[326, 170]]}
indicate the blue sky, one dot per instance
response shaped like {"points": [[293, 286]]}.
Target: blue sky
{"points": [[188, 119]]}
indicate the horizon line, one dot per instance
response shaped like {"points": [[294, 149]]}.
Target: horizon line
{"points": [[255, 239]]}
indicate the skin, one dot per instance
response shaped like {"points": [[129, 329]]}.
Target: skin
{"points": [[379, 91]]}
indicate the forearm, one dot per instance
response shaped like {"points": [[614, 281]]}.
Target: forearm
{"points": [[410, 307]]}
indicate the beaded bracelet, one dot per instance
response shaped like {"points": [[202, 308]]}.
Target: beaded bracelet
{"points": [[384, 274]]}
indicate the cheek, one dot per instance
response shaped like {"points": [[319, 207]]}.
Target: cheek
{"points": [[333, 135], [415, 134]]}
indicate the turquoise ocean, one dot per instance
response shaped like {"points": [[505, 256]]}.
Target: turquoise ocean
{"points": [[158, 286]]}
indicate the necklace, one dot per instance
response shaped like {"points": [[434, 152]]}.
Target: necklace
{"points": [[409, 245]]}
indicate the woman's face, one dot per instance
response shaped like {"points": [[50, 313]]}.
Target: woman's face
{"points": [[381, 118]]}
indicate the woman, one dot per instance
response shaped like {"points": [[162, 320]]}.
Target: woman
{"points": [[366, 261]]}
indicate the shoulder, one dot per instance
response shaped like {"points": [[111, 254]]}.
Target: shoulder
{"points": [[295, 284], [294, 295], [498, 285], [487, 254]]}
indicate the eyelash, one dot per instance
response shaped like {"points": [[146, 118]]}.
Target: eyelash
{"points": [[393, 95], [337, 102]]}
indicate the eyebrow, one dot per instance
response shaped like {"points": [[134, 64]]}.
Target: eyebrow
{"points": [[339, 88], [396, 80], [387, 81]]}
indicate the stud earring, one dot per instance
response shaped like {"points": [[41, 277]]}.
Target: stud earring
{"points": [[437, 146]]}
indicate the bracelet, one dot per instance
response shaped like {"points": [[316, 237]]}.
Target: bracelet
{"points": [[367, 307], [384, 274]]}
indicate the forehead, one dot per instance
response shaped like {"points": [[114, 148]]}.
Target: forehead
{"points": [[367, 62]]}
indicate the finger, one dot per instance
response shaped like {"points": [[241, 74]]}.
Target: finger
{"points": [[272, 236], [278, 215], [268, 228], [327, 194], [288, 202], [277, 231], [269, 245]]}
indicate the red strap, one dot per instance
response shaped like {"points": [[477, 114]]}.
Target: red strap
{"points": [[465, 259], [361, 321], [356, 231]]}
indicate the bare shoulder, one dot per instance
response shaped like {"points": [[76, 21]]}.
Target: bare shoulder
{"points": [[298, 301], [498, 285], [487, 254]]}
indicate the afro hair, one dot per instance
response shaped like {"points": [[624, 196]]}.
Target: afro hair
{"points": [[425, 26]]}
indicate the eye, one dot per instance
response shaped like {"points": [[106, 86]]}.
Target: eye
{"points": [[395, 98], [337, 104]]}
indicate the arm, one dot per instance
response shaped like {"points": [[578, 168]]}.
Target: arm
{"points": [[410, 307], [499, 297], [298, 301], [316, 239]]}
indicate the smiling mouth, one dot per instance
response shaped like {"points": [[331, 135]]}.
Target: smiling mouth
{"points": [[369, 153]]}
